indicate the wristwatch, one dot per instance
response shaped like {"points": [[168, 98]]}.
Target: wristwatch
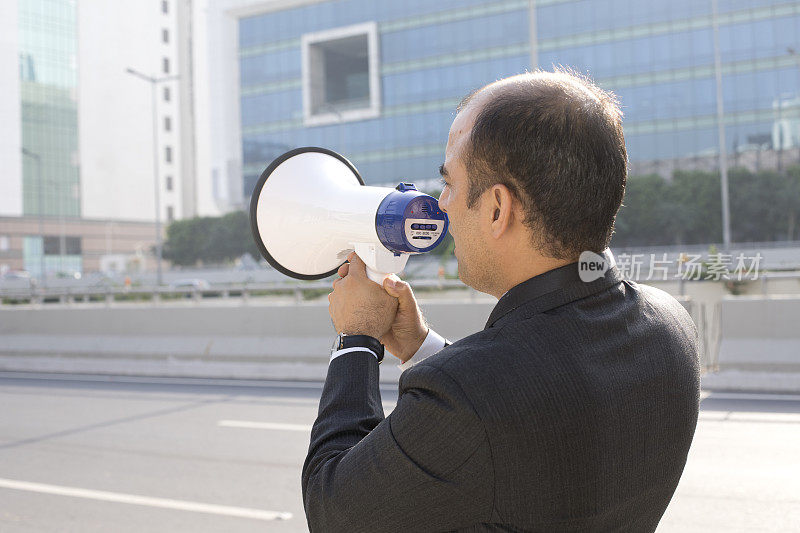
{"points": [[358, 341]]}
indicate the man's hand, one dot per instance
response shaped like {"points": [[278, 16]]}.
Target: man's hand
{"points": [[358, 305], [409, 329]]}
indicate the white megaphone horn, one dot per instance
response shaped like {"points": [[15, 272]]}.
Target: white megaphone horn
{"points": [[310, 209]]}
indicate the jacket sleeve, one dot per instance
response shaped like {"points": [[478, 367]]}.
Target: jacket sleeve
{"points": [[426, 467]]}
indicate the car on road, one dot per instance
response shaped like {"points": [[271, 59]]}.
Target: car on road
{"points": [[196, 284], [17, 275]]}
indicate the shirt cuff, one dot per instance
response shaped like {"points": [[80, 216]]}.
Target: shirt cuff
{"points": [[433, 343], [343, 351]]}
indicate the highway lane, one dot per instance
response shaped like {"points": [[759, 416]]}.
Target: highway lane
{"points": [[96, 453]]}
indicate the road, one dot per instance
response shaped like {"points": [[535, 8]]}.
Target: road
{"points": [[91, 454]]}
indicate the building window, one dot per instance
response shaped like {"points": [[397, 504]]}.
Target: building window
{"points": [[164, 6], [168, 154], [165, 35], [52, 245], [166, 65], [167, 124], [341, 80], [170, 213], [5, 243], [166, 94], [169, 183]]}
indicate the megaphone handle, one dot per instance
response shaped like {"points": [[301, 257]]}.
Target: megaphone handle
{"points": [[376, 276]]}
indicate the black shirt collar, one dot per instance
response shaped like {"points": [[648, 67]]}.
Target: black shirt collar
{"points": [[553, 288]]}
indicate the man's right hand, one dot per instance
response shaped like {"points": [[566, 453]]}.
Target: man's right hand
{"points": [[409, 329]]}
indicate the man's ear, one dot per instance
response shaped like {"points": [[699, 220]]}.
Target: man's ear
{"points": [[501, 203]]}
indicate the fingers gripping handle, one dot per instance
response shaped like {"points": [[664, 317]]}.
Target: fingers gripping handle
{"points": [[380, 261]]}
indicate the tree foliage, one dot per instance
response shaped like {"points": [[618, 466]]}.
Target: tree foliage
{"points": [[764, 206], [209, 240]]}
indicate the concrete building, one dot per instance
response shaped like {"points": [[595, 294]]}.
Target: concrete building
{"points": [[77, 131]]}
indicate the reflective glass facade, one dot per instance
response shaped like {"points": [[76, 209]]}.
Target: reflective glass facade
{"points": [[658, 57], [48, 71], [48, 67]]}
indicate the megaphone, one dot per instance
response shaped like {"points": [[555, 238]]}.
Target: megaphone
{"points": [[310, 209]]}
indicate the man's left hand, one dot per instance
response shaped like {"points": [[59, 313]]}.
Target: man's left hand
{"points": [[358, 305]]}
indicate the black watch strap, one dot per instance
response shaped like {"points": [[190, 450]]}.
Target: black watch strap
{"points": [[361, 341]]}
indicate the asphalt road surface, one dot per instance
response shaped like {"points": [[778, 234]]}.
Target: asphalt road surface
{"points": [[98, 454]]}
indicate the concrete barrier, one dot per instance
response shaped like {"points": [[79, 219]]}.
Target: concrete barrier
{"points": [[270, 341], [759, 349]]}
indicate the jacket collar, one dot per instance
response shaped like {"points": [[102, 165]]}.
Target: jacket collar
{"points": [[554, 288]]}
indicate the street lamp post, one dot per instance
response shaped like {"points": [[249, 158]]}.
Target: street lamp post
{"points": [[792, 217], [792, 52], [36, 157], [153, 83], [723, 148]]}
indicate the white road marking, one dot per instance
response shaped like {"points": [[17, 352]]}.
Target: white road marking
{"points": [[133, 499], [279, 426], [248, 424], [151, 380], [745, 416], [750, 396]]}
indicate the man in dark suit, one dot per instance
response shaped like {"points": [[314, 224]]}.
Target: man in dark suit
{"points": [[574, 408]]}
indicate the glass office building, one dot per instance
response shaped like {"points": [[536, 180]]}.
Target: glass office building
{"points": [[379, 80], [48, 71]]}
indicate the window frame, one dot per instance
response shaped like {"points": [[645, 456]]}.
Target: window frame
{"points": [[370, 29]]}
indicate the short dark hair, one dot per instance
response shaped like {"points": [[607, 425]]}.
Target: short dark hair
{"points": [[555, 140]]}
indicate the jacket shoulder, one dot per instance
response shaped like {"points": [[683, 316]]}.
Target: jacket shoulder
{"points": [[664, 303]]}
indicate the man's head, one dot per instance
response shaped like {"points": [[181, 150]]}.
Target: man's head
{"points": [[535, 167]]}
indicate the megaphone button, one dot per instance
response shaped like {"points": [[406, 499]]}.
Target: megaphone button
{"points": [[403, 187]]}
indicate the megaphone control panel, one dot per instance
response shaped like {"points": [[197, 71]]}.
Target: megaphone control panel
{"points": [[409, 221], [419, 231]]}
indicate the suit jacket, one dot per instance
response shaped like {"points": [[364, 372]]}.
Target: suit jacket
{"points": [[573, 410]]}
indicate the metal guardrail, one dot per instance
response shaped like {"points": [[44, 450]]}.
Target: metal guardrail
{"points": [[244, 291], [764, 278], [300, 291], [678, 248]]}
